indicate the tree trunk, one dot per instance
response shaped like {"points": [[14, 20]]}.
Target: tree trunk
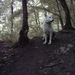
{"points": [[72, 11], [60, 18], [23, 38], [68, 24], [11, 19]]}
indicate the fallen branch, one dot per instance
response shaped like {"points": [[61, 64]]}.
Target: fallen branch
{"points": [[53, 64]]}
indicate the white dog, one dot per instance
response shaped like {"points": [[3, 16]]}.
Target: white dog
{"points": [[48, 29]]}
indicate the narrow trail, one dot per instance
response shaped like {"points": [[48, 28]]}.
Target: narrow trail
{"points": [[31, 61], [38, 59]]}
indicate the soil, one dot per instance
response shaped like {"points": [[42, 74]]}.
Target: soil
{"points": [[38, 59]]}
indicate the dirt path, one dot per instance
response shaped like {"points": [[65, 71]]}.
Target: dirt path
{"points": [[38, 59], [30, 62]]}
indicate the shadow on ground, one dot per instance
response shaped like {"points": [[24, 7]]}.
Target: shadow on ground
{"points": [[38, 59]]}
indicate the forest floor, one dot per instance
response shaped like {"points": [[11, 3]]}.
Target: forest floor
{"points": [[38, 59]]}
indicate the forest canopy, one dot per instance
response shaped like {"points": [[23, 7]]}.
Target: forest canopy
{"points": [[11, 17]]}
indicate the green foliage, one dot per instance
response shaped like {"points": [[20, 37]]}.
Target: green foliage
{"points": [[36, 11]]}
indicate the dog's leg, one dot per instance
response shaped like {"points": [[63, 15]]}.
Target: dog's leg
{"points": [[50, 38], [45, 37]]}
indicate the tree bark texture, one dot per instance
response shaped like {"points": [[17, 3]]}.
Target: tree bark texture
{"points": [[11, 19], [68, 24], [23, 38], [60, 18]]}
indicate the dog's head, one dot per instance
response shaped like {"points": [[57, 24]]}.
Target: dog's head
{"points": [[49, 18]]}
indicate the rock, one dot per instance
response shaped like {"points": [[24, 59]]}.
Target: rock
{"points": [[70, 45]]}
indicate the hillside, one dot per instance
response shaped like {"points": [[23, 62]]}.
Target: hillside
{"points": [[38, 59]]}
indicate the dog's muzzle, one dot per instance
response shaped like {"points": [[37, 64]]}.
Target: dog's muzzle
{"points": [[52, 20], [49, 22]]}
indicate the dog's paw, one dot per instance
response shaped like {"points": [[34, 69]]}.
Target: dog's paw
{"points": [[44, 42], [49, 43]]}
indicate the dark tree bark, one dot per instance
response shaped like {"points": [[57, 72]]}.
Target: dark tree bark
{"points": [[23, 38], [11, 19], [60, 18], [68, 24]]}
